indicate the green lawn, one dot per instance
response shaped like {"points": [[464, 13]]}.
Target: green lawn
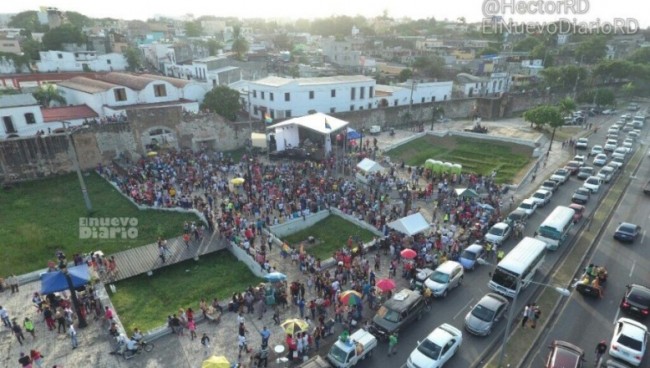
{"points": [[145, 301], [332, 234], [476, 156], [39, 217]]}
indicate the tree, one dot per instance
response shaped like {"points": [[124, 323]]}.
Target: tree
{"points": [[239, 43], [282, 42], [527, 44], [78, 20], [640, 56], [66, 33], [600, 96], [133, 58], [31, 48], [48, 93], [592, 50], [405, 75], [213, 46], [543, 115], [28, 20], [193, 29], [224, 101]]}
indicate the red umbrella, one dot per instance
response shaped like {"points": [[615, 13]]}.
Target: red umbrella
{"points": [[385, 284], [408, 253]]}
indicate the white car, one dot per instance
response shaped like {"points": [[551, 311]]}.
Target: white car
{"points": [[617, 162], [441, 344], [610, 145], [561, 176], [582, 143], [628, 143], [542, 197], [593, 184], [606, 173], [579, 158], [528, 205], [600, 160], [633, 135], [629, 341], [499, 232], [613, 129], [596, 150], [620, 152]]}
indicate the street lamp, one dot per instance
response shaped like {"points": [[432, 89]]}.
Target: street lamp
{"points": [[511, 314], [75, 163]]}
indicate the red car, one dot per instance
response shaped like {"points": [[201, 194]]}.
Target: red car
{"points": [[565, 355], [579, 211]]}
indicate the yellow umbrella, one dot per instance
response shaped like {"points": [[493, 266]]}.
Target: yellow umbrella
{"points": [[216, 362], [152, 153], [238, 181], [294, 325]]}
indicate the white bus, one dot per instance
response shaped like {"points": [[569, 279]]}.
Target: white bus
{"points": [[520, 263], [555, 228]]}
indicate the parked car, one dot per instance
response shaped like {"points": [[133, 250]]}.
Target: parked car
{"points": [[646, 188], [375, 129], [617, 162], [627, 232], [609, 111], [437, 348], [489, 310], [585, 172], [636, 300], [528, 205], [629, 341], [499, 232], [579, 158], [542, 197], [611, 136], [421, 274], [446, 277], [613, 129], [610, 145], [621, 152], [561, 176], [582, 143], [596, 150], [578, 211], [573, 167], [600, 160], [468, 258], [606, 173], [593, 184], [633, 135], [565, 355], [550, 185], [517, 216], [581, 195]]}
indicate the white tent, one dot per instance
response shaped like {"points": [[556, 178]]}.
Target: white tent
{"points": [[369, 166], [410, 225], [286, 132]]}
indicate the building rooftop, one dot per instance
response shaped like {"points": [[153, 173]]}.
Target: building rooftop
{"points": [[87, 85], [178, 102], [274, 81], [57, 114], [135, 82], [176, 82], [24, 99], [468, 78]]}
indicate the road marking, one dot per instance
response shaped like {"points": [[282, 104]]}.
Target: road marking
{"points": [[643, 235], [618, 310], [633, 265], [462, 309]]}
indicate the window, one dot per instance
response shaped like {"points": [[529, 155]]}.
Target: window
{"points": [[287, 96], [395, 103], [29, 118], [362, 93], [108, 61], [60, 55], [333, 93], [262, 95], [371, 91], [332, 110], [361, 107], [311, 95], [255, 111], [369, 105], [353, 92], [272, 113], [271, 96], [120, 94], [351, 107], [159, 90], [9, 125], [254, 94], [433, 98], [287, 113], [422, 99], [444, 98]]}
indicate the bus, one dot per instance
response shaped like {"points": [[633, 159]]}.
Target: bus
{"points": [[520, 264], [555, 228]]}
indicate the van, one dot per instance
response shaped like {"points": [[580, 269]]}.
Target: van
{"points": [[447, 276], [400, 310]]}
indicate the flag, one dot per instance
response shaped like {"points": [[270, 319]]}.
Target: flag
{"points": [[267, 118], [327, 125]]}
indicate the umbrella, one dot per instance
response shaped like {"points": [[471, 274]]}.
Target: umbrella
{"points": [[152, 153], [294, 325], [238, 181], [486, 206], [275, 277], [350, 297], [216, 362], [408, 253], [385, 284], [52, 282]]}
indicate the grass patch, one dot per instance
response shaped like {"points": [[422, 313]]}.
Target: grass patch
{"points": [[331, 234], [145, 302], [476, 156], [42, 216]]}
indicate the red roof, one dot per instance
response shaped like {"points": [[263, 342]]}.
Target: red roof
{"points": [[56, 114]]}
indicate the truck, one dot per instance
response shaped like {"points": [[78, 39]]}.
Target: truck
{"points": [[348, 351], [375, 129]]}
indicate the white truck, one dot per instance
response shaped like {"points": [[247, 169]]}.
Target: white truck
{"points": [[375, 129], [358, 346]]}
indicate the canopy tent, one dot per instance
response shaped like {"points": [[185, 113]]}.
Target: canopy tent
{"points": [[369, 166], [466, 193], [353, 134], [287, 133], [410, 225], [52, 282]]}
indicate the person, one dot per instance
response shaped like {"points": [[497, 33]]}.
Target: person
{"points": [[265, 333], [392, 343], [137, 335], [601, 348], [36, 357], [13, 282], [29, 327], [526, 315], [205, 341], [24, 360], [132, 346], [5, 317], [18, 331], [73, 337], [263, 356], [534, 314]]}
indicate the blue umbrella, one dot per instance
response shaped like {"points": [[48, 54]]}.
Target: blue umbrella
{"points": [[275, 277], [52, 282]]}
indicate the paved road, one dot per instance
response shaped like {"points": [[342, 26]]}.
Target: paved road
{"points": [[455, 307], [592, 320]]}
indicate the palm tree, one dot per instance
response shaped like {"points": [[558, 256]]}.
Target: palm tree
{"points": [[48, 93]]}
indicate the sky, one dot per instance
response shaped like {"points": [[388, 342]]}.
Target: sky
{"points": [[603, 11]]}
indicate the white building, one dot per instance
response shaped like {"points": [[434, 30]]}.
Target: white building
{"points": [[62, 61], [285, 98], [474, 86], [420, 92]]}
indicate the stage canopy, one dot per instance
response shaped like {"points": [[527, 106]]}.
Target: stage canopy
{"points": [[410, 225], [287, 133], [369, 166], [52, 282]]}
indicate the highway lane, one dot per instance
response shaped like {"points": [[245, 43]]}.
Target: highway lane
{"points": [[454, 308], [585, 321]]}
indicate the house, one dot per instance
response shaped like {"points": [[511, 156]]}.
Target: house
{"points": [[20, 114], [473, 86], [417, 91], [10, 45], [61, 61]]}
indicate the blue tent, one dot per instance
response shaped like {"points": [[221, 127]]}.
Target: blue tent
{"points": [[353, 134], [52, 282]]}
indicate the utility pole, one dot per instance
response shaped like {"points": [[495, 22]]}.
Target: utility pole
{"points": [[75, 163], [575, 87], [411, 102]]}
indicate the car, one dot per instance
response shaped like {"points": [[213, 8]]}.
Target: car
{"points": [[561, 176], [565, 355], [628, 143], [627, 232], [593, 184], [528, 205], [609, 111], [573, 167], [621, 152], [579, 158], [585, 172], [610, 145], [401, 309], [614, 129], [578, 211], [617, 162], [542, 197], [582, 143], [629, 341], [447, 276], [596, 150], [421, 274], [633, 135], [437, 348], [636, 300], [550, 185], [637, 124], [606, 173], [468, 258], [628, 127], [626, 117], [498, 233], [516, 216], [581, 195], [489, 310], [600, 160]]}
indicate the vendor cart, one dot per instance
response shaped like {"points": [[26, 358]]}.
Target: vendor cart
{"points": [[592, 282]]}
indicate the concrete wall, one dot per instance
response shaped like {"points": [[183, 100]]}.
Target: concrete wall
{"points": [[252, 265], [295, 225]]}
